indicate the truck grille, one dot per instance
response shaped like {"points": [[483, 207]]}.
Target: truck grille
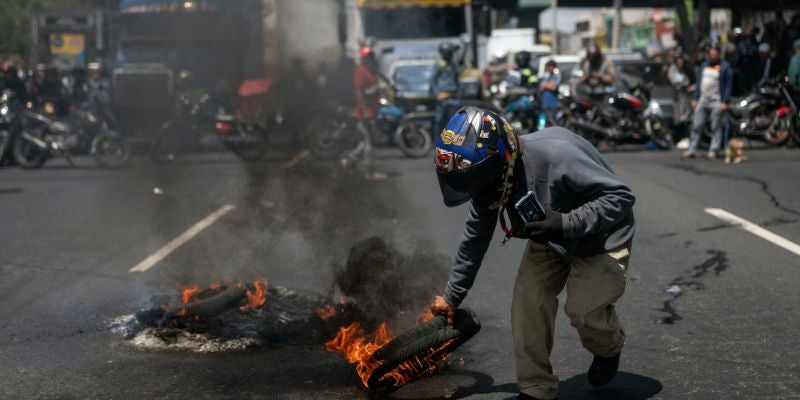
{"points": [[142, 87]]}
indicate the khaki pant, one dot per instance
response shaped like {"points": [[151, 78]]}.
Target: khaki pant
{"points": [[593, 285]]}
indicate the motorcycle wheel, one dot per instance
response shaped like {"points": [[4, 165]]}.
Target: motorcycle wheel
{"points": [[27, 155], [164, 149], [110, 150], [779, 132], [414, 141], [660, 134], [327, 138], [5, 139], [256, 146]]}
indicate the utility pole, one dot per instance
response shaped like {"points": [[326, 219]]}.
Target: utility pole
{"points": [[554, 30], [615, 32]]}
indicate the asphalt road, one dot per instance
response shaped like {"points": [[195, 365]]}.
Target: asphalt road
{"points": [[70, 235]]}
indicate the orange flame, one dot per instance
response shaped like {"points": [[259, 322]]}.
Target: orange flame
{"points": [[257, 297], [352, 342], [325, 312], [189, 293]]}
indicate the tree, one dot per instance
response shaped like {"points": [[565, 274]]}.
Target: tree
{"points": [[15, 21]]}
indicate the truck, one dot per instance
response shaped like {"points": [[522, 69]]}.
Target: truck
{"points": [[406, 35], [220, 42]]}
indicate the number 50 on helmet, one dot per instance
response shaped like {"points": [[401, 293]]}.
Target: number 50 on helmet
{"points": [[474, 153]]}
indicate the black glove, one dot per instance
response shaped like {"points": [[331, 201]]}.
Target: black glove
{"points": [[549, 228]]}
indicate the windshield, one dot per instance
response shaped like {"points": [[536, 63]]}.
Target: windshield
{"points": [[414, 23], [413, 79]]}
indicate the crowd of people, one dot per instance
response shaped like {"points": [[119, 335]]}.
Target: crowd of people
{"points": [[51, 90]]}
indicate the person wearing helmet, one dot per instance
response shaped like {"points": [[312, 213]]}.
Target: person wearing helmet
{"points": [[522, 66], [712, 94], [366, 83], [444, 84], [580, 241], [10, 81], [598, 72]]}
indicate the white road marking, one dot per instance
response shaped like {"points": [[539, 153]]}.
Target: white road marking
{"points": [[755, 229], [184, 237]]}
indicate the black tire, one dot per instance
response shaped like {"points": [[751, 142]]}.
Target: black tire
{"points": [[257, 143], [210, 306], [780, 132], [794, 130], [111, 150], [660, 134], [26, 154], [434, 334], [5, 141], [413, 140]]}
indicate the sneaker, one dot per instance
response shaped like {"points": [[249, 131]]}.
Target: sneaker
{"points": [[688, 155], [603, 370], [712, 155]]}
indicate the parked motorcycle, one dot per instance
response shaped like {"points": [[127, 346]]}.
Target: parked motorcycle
{"points": [[39, 137], [336, 132], [621, 117], [769, 113], [245, 133], [194, 111]]}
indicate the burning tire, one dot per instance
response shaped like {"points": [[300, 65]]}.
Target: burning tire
{"points": [[417, 351], [211, 305]]}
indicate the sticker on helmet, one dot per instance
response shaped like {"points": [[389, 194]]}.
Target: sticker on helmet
{"points": [[444, 160], [484, 135], [459, 140], [447, 136], [464, 164]]}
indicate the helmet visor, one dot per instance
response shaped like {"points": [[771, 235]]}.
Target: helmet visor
{"points": [[459, 185]]}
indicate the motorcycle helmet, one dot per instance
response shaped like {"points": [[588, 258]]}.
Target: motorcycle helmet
{"points": [[446, 51], [366, 52], [523, 59], [475, 154]]}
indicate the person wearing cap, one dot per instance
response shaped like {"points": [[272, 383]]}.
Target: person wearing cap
{"points": [[794, 67], [580, 241], [712, 94]]}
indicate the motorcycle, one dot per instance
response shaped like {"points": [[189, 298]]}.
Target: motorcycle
{"points": [[245, 136], [39, 137], [621, 117], [769, 113], [245, 133], [337, 132]]}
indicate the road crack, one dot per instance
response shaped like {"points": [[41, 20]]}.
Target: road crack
{"points": [[691, 279], [762, 183]]}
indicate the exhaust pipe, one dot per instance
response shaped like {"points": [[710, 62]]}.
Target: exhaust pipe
{"points": [[41, 144]]}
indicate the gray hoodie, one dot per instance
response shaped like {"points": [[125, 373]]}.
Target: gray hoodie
{"points": [[570, 176]]}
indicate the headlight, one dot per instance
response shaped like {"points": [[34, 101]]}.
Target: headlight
{"points": [[563, 90], [3, 110], [743, 103], [655, 107]]}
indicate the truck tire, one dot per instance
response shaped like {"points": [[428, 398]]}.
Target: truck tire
{"points": [[416, 342]]}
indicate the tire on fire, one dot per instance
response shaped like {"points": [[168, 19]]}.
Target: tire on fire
{"points": [[418, 342], [210, 306]]}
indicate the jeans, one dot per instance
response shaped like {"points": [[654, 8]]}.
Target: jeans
{"points": [[707, 109], [444, 109], [363, 150]]}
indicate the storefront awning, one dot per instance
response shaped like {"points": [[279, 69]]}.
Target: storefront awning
{"points": [[411, 3]]}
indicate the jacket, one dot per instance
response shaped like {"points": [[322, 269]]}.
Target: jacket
{"points": [[725, 81], [570, 176]]}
